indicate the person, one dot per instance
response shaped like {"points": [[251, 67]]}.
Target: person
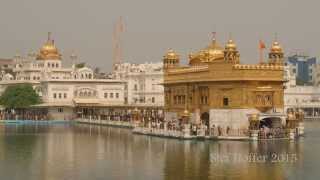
{"points": [[194, 129], [228, 130], [212, 130], [206, 130], [219, 131]]}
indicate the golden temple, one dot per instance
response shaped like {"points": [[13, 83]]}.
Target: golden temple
{"points": [[215, 88]]}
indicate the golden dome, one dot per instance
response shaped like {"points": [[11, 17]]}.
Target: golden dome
{"points": [[214, 51], [49, 51], [231, 45], [185, 113], [276, 47], [171, 55], [211, 53]]}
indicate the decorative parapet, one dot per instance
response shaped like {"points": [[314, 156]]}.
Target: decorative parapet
{"points": [[189, 69], [258, 66]]}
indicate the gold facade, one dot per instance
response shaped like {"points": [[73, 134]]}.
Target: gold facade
{"points": [[215, 79]]}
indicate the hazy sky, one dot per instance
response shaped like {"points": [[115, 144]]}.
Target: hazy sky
{"points": [[151, 27]]}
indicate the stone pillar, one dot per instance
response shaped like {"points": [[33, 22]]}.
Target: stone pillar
{"points": [[291, 134], [254, 135], [300, 128], [149, 124], [186, 130]]}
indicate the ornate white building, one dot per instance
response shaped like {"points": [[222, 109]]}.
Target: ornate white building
{"points": [[143, 83], [65, 91]]}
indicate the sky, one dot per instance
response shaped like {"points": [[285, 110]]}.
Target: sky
{"points": [[151, 27]]}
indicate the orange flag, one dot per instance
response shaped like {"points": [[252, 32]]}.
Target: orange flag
{"points": [[262, 45]]}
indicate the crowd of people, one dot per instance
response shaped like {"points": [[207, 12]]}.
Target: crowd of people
{"points": [[269, 133], [195, 129], [5, 115]]}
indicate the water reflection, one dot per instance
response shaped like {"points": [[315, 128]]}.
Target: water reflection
{"points": [[94, 152]]}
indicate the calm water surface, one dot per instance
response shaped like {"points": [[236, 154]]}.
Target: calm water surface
{"points": [[84, 152]]}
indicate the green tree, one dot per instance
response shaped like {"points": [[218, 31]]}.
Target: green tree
{"points": [[80, 65], [19, 97]]}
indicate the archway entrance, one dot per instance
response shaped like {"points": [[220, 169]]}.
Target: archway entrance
{"points": [[270, 122], [205, 118]]}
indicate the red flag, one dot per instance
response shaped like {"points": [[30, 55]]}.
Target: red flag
{"points": [[262, 45]]}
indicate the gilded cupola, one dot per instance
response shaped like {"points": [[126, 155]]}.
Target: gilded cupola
{"points": [[171, 59], [276, 48], [49, 51], [231, 45], [276, 53], [231, 54]]}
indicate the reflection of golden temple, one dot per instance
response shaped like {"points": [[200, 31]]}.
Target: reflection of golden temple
{"points": [[49, 51]]}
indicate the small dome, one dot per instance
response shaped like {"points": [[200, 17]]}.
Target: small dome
{"points": [[276, 47], [171, 55], [214, 50], [231, 45], [186, 113]]}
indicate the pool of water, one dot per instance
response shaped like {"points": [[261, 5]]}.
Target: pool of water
{"points": [[83, 152]]}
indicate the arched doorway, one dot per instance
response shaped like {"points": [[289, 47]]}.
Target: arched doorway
{"points": [[270, 122], [205, 118]]}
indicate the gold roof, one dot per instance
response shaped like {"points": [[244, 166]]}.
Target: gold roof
{"points": [[49, 51], [212, 52], [276, 48], [171, 55]]}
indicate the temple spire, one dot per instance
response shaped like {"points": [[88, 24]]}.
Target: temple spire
{"points": [[214, 35], [49, 36]]}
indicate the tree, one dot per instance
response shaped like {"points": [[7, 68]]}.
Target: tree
{"points": [[19, 96], [97, 72], [80, 65]]}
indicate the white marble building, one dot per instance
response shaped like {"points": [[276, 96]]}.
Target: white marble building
{"points": [[306, 98], [63, 89], [143, 83]]}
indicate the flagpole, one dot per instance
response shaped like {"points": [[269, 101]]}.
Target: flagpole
{"points": [[261, 48], [261, 55]]}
